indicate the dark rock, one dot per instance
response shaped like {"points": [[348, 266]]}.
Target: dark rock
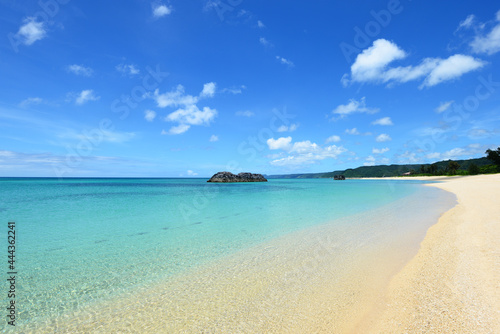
{"points": [[241, 177], [339, 177]]}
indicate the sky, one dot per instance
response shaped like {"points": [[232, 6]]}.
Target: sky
{"points": [[190, 88]]}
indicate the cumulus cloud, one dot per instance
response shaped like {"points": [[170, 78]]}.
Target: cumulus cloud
{"points": [[128, 69], [304, 152], [383, 137], [214, 138], [149, 115], [208, 90], [333, 139], [489, 43], [246, 113], [80, 70], [31, 31], [372, 65], [191, 173], [354, 106], [444, 106], [161, 10], [383, 121], [285, 61], [188, 112], [85, 96], [282, 143]]}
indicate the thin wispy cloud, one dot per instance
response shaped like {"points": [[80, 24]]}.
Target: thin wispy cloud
{"points": [[213, 138], [288, 128], [354, 106], [149, 115], [444, 106], [31, 101], [353, 132], [245, 113], [383, 138], [265, 42], [385, 121], [380, 150], [285, 61], [488, 43], [80, 70], [333, 139], [128, 69], [86, 96], [260, 24]]}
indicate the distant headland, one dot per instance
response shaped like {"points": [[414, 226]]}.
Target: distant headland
{"points": [[226, 177]]}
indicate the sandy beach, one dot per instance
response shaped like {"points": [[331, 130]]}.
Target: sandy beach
{"points": [[452, 285]]}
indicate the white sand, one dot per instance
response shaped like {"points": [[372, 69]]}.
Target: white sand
{"points": [[453, 284]]}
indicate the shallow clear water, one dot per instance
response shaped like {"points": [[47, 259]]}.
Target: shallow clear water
{"points": [[86, 240]]}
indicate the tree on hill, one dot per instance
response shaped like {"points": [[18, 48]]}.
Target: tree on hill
{"points": [[453, 166], [474, 169], [494, 156]]}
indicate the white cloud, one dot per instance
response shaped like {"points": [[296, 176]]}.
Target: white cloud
{"points": [[265, 42], [452, 68], [467, 23], [246, 113], [161, 10], [208, 89], [149, 115], [383, 121], [177, 130], [233, 90], [85, 96], [354, 106], [372, 66], [192, 115], [353, 131], [191, 173], [370, 161], [128, 69], [173, 98], [104, 136], [285, 61], [31, 31], [282, 143], [31, 101], [290, 128], [370, 63], [214, 138], [383, 137], [333, 139], [80, 70], [260, 24], [468, 151], [380, 151], [306, 152], [188, 113], [490, 43], [444, 106]]}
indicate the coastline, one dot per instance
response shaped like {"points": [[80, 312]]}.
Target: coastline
{"points": [[451, 285]]}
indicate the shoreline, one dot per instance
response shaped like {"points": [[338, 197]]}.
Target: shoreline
{"points": [[451, 285]]}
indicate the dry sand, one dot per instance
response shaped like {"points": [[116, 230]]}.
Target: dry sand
{"points": [[453, 284]]}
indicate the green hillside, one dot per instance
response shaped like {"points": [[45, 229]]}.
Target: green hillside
{"points": [[437, 168]]}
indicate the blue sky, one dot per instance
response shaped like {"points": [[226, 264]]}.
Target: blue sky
{"points": [[190, 88]]}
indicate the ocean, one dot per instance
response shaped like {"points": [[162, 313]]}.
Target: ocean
{"points": [[96, 244]]}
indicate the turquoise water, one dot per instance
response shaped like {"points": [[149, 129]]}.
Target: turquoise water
{"points": [[85, 240]]}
